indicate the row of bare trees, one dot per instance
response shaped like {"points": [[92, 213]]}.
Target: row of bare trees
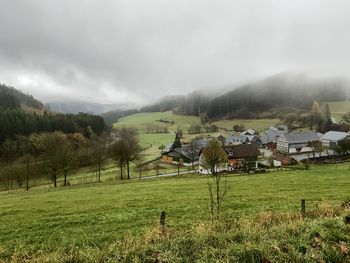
{"points": [[49, 156], [126, 150]]}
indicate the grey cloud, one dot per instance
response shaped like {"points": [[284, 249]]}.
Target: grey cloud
{"points": [[138, 51]]}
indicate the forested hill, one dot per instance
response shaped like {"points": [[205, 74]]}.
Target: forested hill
{"points": [[11, 98], [295, 90], [18, 117]]}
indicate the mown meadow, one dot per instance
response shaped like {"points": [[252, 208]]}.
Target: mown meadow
{"points": [[119, 221]]}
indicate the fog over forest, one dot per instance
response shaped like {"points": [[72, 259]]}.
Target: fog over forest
{"points": [[139, 51]]}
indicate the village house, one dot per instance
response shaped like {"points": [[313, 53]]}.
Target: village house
{"points": [[234, 139], [186, 155], [269, 138], [242, 156], [296, 142], [331, 138], [281, 160]]}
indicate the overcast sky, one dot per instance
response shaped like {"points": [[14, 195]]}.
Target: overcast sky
{"points": [[138, 51]]}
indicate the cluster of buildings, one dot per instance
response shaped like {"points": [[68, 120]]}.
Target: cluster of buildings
{"points": [[244, 150]]}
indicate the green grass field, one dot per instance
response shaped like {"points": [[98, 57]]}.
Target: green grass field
{"points": [[90, 222], [141, 120], [340, 107], [257, 124], [152, 141]]}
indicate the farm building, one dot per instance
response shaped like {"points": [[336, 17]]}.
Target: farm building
{"points": [[280, 160], [269, 138], [239, 156], [242, 155], [331, 138], [296, 142], [186, 155], [234, 139]]}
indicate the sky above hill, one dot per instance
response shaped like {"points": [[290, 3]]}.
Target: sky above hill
{"points": [[138, 51]]}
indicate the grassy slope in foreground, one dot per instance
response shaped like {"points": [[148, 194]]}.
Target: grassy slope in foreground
{"points": [[88, 217]]}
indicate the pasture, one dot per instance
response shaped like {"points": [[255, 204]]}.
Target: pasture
{"points": [[113, 221], [338, 108], [256, 124], [174, 122], [140, 121]]}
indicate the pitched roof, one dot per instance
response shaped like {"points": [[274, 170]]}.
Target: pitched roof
{"points": [[334, 136], [301, 137], [249, 132], [271, 135], [242, 151], [189, 152], [234, 139]]}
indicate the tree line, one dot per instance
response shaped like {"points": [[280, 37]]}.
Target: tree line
{"points": [[56, 155], [14, 122], [11, 98], [318, 118]]}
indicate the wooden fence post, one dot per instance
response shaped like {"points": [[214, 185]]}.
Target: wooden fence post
{"points": [[303, 208], [162, 222]]}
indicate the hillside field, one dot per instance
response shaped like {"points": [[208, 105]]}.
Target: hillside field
{"points": [[141, 120], [338, 108], [256, 124], [117, 221]]}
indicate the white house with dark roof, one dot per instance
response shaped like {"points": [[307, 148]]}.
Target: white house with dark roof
{"points": [[234, 139], [269, 138], [296, 142], [249, 132], [331, 138], [186, 155]]}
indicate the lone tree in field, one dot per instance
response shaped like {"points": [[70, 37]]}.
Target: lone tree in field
{"points": [[118, 152], [140, 163], [53, 145], [315, 116], [99, 156], [67, 159], [133, 148], [214, 159], [28, 162]]}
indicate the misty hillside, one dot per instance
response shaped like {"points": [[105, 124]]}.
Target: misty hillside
{"points": [[165, 104], [22, 115], [86, 107], [113, 116], [11, 98], [285, 90]]}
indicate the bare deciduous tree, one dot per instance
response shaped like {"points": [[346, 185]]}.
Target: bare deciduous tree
{"points": [[118, 152], [214, 159]]}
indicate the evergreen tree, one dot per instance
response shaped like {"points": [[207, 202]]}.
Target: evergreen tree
{"points": [[177, 142]]}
